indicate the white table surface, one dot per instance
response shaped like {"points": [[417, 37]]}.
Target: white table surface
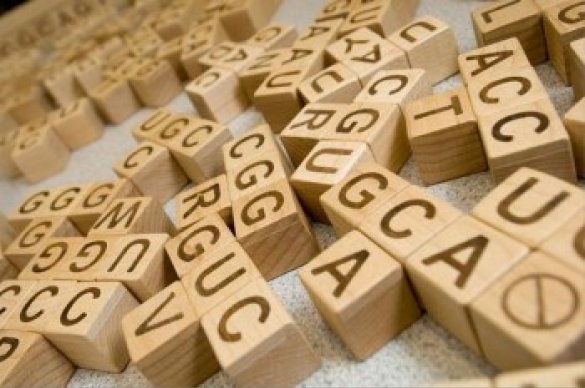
{"points": [[424, 353]]}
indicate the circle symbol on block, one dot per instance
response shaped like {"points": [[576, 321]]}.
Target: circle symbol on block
{"points": [[529, 301]]}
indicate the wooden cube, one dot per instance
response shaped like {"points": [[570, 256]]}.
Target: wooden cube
{"points": [[405, 222], [575, 123], [231, 56], [161, 119], [429, 44], [274, 36], [11, 293], [30, 208], [358, 43], [8, 169], [62, 87], [457, 266], [237, 333], [530, 206], [567, 243], [256, 72], [62, 200], [156, 83], [569, 374], [28, 360], [319, 34], [29, 104], [563, 23], [382, 56], [529, 135], [205, 199], [130, 216], [56, 251], [153, 170], [444, 137], [166, 342], [268, 223], [382, 17], [396, 86], [504, 19], [7, 233], [196, 241], [87, 73], [78, 124], [532, 316], [115, 100], [367, 187], [366, 306], [336, 83], [328, 163], [577, 67], [253, 142], [194, 47], [170, 52]]}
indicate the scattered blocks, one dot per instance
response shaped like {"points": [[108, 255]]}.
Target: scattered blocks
{"points": [[575, 123], [78, 124], [207, 198], [156, 83], [336, 83], [253, 75], [396, 86], [274, 36], [243, 18]]}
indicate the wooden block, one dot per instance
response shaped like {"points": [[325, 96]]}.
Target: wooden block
{"points": [[131, 216], [56, 251], [29, 105], [407, 221], [62, 200], [577, 67], [11, 293], [563, 23], [171, 52], [530, 206], [87, 73], [396, 86], [34, 236], [152, 169], [566, 375], [268, 223], [262, 347], [30, 208], [88, 330], [497, 21], [62, 87], [381, 17], [489, 60], [7, 233], [520, 325], [367, 187], [7, 270], [259, 69], [366, 306], [335, 9], [444, 137], [575, 123], [173, 23], [529, 135], [156, 122], [253, 142], [274, 36], [166, 341], [194, 48], [78, 124], [217, 95], [8, 168], [455, 267], [205, 199], [28, 360], [426, 38], [336, 83], [115, 100], [96, 199], [567, 243], [243, 18], [196, 241], [231, 56], [7, 122], [156, 83], [359, 43], [319, 34]]}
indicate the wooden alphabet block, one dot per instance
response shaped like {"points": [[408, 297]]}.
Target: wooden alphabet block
{"points": [[544, 4], [207, 198], [336, 83], [465, 383], [30, 208], [407, 221], [78, 124], [196, 241], [11, 293], [426, 38], [396, 86], [568, 243], [152, 169], [217, 95], [567, 375], [166, 341], [170, 52], [115, 100], [27, 359], [504, 19], [196, 45], [563, 23], [529, 135], [88, 73], [575, 123], [7, 269], [269, 222], [532, 316], [8, 168], [243, 18], [359, 43], [150, 128], [252, 350], [274, 36], [367, 187], [131, 216], [156, 83], [173, 23], [366, 306], [253, 142], [382, 17], [530, 206], [7, 233], [259, 69], [62, 200], [335, 9], [577, 67], [55, 252], [319, 34], [489, 60], [62, 87], [88, 329], [231, 56], [444, 137], [455, 267], [29, 104]]}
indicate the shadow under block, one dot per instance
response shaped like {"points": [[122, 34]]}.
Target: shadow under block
{"points": [[396, 87], [444, 137], [7, 233], [336, 83], [455, 267], [563, 375], [155, 83], [166, 341], [115, 100], [28, 360], [532, 316], [567, 244], [530, 206], [575, 123], [382, 17], [256, 341], [361, 292], [207, 198], [577, 67], [7, 269], [563, 23], [89, 328], [328, 163], [273, 229], [367, 187], [153, 170], [529, 135], [131, 216], [274, 36], [505, 19], [78, 124], [429, 44]]}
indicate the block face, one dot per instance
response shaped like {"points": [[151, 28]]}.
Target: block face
{"points": [[256, 72], [367, 302], [577, 67], [319, 34], [575, 123], [55, 251], [30, 208], [254, 142], [156, 83], [148, 129], [78, 124], [381, 17], [396, 86], [7, 233], [456, 266], [569, 374], [336, 83], [12, 292], [115, 100], [567, 243], [274, 36], [8, 168], [358, 43], [210, 197], [231, 56], [382, 56], [7, 269], [533, 316]]}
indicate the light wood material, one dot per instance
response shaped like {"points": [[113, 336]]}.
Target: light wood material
{"points": [[43, 265], [336, 83], [231, 56], [575, 123], [207, 198], [62, 88], [7, 234], [568, 243], [358, 43], [7, 269], [256, 341], [11, 293], [381, 17], [29, 105], [396, 86], [243, 18], [466, 383], [8, 169], [253, 142], [566, 375], [319, 34], [30, 208], [166, 342], [256, 72], [78, 124], [335, 9], [361, 292], [577, 67], [62, 200], [150, 128], [274, 36], [156, 83], [115, 100]]}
